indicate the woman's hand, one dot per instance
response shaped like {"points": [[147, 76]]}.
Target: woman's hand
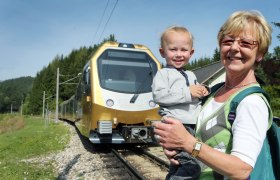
{"points": [[173, 135]]}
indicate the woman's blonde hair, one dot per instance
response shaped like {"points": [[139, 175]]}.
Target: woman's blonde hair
{"points": [[240, 20]]}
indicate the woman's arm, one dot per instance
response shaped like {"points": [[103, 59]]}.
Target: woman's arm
{"points": [[225, 164], [173, 135]]}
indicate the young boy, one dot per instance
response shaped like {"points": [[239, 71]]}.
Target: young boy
{"points": [[177, 93]]}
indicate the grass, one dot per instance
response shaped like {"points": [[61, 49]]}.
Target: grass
{"points": [[33, 140], [9, 123]]}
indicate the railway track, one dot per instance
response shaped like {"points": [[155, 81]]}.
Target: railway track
{"points": [[133, 163], [90, 161], [141, 163]]}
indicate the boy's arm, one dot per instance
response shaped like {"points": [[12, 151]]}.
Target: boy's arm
{"points": [[168, 91], [197, 90]]}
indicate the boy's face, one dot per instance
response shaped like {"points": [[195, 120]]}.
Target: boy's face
{"points": [[177, 49]]}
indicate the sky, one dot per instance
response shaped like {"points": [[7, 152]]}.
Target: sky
{"points": [[33, 32]]}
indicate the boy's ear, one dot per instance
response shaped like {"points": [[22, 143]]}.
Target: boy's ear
{"points": [[161, 51], [192, 51]]}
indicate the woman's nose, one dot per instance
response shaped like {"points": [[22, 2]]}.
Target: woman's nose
{"points": [[235, 45]]}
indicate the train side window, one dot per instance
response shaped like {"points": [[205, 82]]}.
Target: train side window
{"points": [[86, 76], [86, 79]]}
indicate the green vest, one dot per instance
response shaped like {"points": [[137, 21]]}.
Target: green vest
{"points": [[215, 131]]}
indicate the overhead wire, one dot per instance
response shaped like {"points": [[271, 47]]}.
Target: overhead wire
{"points": [[101, 19], [108, 20]]}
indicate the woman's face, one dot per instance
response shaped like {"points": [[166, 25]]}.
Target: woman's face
{"points": [[240, 53]]}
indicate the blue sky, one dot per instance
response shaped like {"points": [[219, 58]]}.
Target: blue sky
{"points": [[33, 32]]}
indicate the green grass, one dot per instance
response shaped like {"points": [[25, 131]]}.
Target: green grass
{"points": [[9, 123], [35, 139]]}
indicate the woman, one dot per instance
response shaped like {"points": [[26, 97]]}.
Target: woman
{"points": [[228, 151]]}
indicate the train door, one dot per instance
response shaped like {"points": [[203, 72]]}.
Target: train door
{"points": [[86, 101]]}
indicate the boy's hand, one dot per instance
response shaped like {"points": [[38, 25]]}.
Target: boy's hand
{"points": [[170, 154], [198, 91], [205, 90]]}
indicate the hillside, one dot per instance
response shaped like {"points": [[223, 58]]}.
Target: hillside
{"points": [[13, 92]]}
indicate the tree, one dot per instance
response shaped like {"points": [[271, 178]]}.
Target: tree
{"points": [[110, 38], [45, 80], [13, 92], [277, 53], [277, 25], [216, 56]]}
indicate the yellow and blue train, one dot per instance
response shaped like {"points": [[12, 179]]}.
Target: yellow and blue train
{"points": [[113, 102]]}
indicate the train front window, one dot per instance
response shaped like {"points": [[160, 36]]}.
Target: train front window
{"points": [[126, 71]]}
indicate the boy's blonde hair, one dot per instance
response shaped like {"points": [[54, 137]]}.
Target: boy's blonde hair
{"points": [[175, 29], [240, 20]]}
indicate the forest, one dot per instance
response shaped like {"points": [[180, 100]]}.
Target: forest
{"points": [[26, 93], [13, 92]]}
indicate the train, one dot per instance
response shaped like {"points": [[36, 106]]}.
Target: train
{"points": [[113, 102]]}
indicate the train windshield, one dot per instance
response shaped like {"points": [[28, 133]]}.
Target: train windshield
{"points": [[126, 71]]}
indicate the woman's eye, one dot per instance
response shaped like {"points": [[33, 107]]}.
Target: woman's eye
{"points": [[245, 42], [228, 41]]}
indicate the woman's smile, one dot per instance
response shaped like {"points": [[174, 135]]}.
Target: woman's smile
{"points": [[231, 58]]}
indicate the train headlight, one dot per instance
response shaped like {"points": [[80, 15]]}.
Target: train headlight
{"points": [[110, 102], [152, 103]]}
